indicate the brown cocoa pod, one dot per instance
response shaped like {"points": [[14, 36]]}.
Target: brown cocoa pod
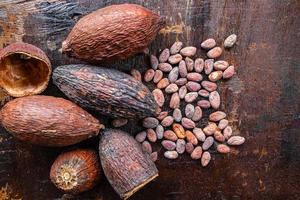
{"points": [[119, 122], [214, 99], [163, 83], [199, 65], [162, 115], [189, 64], [168, 145], [189, 111], [209, 86], [227, 132], [219, 136], [25, 70], [176, 47], [215, 52], [157, 76], [136, 74], [205, 159], [236, 140], [177, 115], [154, 156], [190, 137], [209, 141], [208, 66], [76, 171], [189, 147], [223, 124], [223, 148], [197, 114], [188, 51], [199, 134], [187, 123], [159, 132], [217, 116], [221, 65], [180, 146], [170, 135], [190, 97], [154, 62], [164, 55], [203, 93], [229, 72], [215, 76], [150, 122], [203, 104], [141, 136], [179, 131], [175, 59], [193, 86], [126, 172], [151, 135], [167, 121], [208, 43], [158, 97], [175, 101], [113, 22], [103, 90], [173, 75], [182, 92], [171, 88], [165, 67], [194, 76], [210, 129], [182, 69], [197, 153], [171, 154], [149, 74], [48, 121], [230, 41], [181, 81]]}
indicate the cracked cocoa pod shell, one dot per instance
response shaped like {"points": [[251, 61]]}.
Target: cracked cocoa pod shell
{"points": [[76, 171], [24, 69], [124, 164], [113, 32], [48, 121], [107, 91]]}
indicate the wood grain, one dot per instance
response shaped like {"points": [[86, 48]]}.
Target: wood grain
{"points": [[262, 99]]}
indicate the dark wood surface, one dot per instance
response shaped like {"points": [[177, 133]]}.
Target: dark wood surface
{"points": [[262, 99]]}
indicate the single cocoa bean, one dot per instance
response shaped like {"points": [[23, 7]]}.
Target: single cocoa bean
{"points": [[119, 122], [170, 135], [215, 76], [151, 135], [176, 47], [171, 154], [214, 99], [187, 123], [215, 52], [182, 69], [208, 43], [168, 145], [203, 104], [223, 148], [171, 88], [194, 76], [227, 132], [210, 129], [173, 75], [141, 136], [167, 121], [199, 65], [164, 55], [223, 124], [199, 134], [188, 51], [158, 97], [217, 116], [189, 147], [174, 59], [149, 75], [229, 72], [177, 115], [189, 64], [179, 131], [181, 81], [163, 83], [219, 136], [136, 74], [146, 147], [197, 153], [209, 86], [162, 115], [193, 86], [189, 111], [190, 97], [154, 62], [208, 66], [150, 122], [220, 65], [158, 76], [230, 41], [159, 131], [190, 137], [182, 92], [180, 146], [209, 141], [205, 159], [197, 114], [175, 101], [154, 156], [165, 67], [203, 93], [236, 140]]}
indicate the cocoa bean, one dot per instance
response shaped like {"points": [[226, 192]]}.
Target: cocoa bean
{"points": [[171, 154], [182, 69], [203, 104], [162, 115], [158, 97], [175, 101], [179, 131], [229, 72], [197, 153], [217, 116], [194, 76], [223, 124], [222, 148], [146, 147], [236, 140], [165, 67], [141, 136], [208, 66], [199, 134], [164, 55], [171, 88], [176, 47], [154, 62], [221, 65], [215, 52], [197, 114], [150, 122], [149, 75], [154, 156], [214, 99], [188, 51], [190, 97], [209, 86], [215, 76], [190, 137], [173, 75], [209, 141], [159, 131], [177, 115], [227, 132], [219, 136], [163, 83], [182, 92], [210, 129], [230, 41], [170, 135], [180, 146], [167, 121], [187, 123], [181, 81], [193, 86], [119, 122], [199, 65], [168, 145], [151, 135], [203, 93], [174, 59], [205, 159], [158, 76], [189, 111], [189, 147], [136, 74], [189, 64], [208, 43]]}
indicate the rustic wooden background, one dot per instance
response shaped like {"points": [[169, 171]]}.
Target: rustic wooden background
{"points": [[262, 99]]}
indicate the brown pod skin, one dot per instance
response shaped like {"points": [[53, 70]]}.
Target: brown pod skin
{"points": [[107, 91], [125, 166], [48, 121], [76, 171], [113, 32], [24, 69]]}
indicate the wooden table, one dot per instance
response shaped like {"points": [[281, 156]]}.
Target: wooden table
{"points": [[262, 99]]}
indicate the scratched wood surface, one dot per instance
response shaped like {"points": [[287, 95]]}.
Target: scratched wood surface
{"points": [[262, 99]]}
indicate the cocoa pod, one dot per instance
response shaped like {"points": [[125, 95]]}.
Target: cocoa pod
{"points": [[163, 83], [25, 70], [229, 72], [190, 137], [104, 89], [158, 97], [76, 171], [136, 74], [209, 86], [164, 55], [48, 121], [215, 52], [230, 41], [189, 64], [179, 131], [174, 59], [157, 76], [208, 43], [171, 154], [205, 159], [176, 47], [236, 140], [208, 66], [113, 22], [149, 75], [175, 101], [197, 153], [173, 75], [188, 51], [217, 116], [180, 146], [124, 164], [199, 65], [182, 69], [214, 99], [154, 62], [170, 135], [221, 65]]}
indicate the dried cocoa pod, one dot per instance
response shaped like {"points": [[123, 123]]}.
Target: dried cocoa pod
{"points": [[174, 59], [136, 74], [199, 134], [205, 159], [151, 135], [230, 41], [158, 97], [76, 171], [175, 101], [208, 43], [194, 76], [48, 121], [197, 153], [180, 146], [187, 123], [236, 140], [229, 72], [164, 55], [223, 148], [182, 69], [209, 86], [181, 81], [190, 137], [215, 76], [182, 92], [159, 132], [165, 67], [215, 52], [177, 115], [221, 65], [162, 115], [141, 136], [176, 47], [154, 62], [125, 166], [171, 88], [179, 131], [189, 64], [190, 97], [203, 104], [197, 114], [168, 145], [209, 141], [227, 132], [103, 90], [217, 116], [149, 75], [193, 86], [173, 75], [157, 76], [203, 93], [163, 83], [208, 66], [150, 122], [171, 154], [189, 111], [214, 99], [188, 51], [167, 121], [199, 65], [189, 147], [25, 70], [119, 122], [210, 129], [170, 135], [223, 124], [113, 22]]}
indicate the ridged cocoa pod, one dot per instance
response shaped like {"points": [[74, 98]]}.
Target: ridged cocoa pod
{"points": [[76, 171], [108, 91], [113, 32], [24, 69], [125, 166], [48, 121]]}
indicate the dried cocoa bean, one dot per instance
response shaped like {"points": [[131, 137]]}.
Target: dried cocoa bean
{"points": [[215, 52], [189, 147], [210, 129], [205, 159], [223, 124], [209, 141], [173, 75], [163, 83], [203, 93], [164, 55], [199, 65], [175, 101], [190, 137], [119, 122], [174, 59], [171, 154], [197, 153], [177, 115], [236, 140], [187, 123], [146, 147], [167, 121], [197, 114], [188, 51], [136, 74], [168, 145], [149, 75], [182, 92], [190, 97], [170, 135], [227, 132], [181, 81], [221, 65], [182, 69], [217, 116], [165, 67], [222, 148], [215, 76], [158, 76], [189, 111], [229, 72], [208, 43], [180, 146], [208, 66], [179, 131], [158, 97], [194, 76], [171, 88], [176, 47], [219, 136], [154, 156], [150, 122], [162, 115], [230, 41], [189, 64], [154, 62], [199, 134], [193, 86], [151, 135], [159, 131], [209, 86], [214, 99], [203, 104], [141, 136]]}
